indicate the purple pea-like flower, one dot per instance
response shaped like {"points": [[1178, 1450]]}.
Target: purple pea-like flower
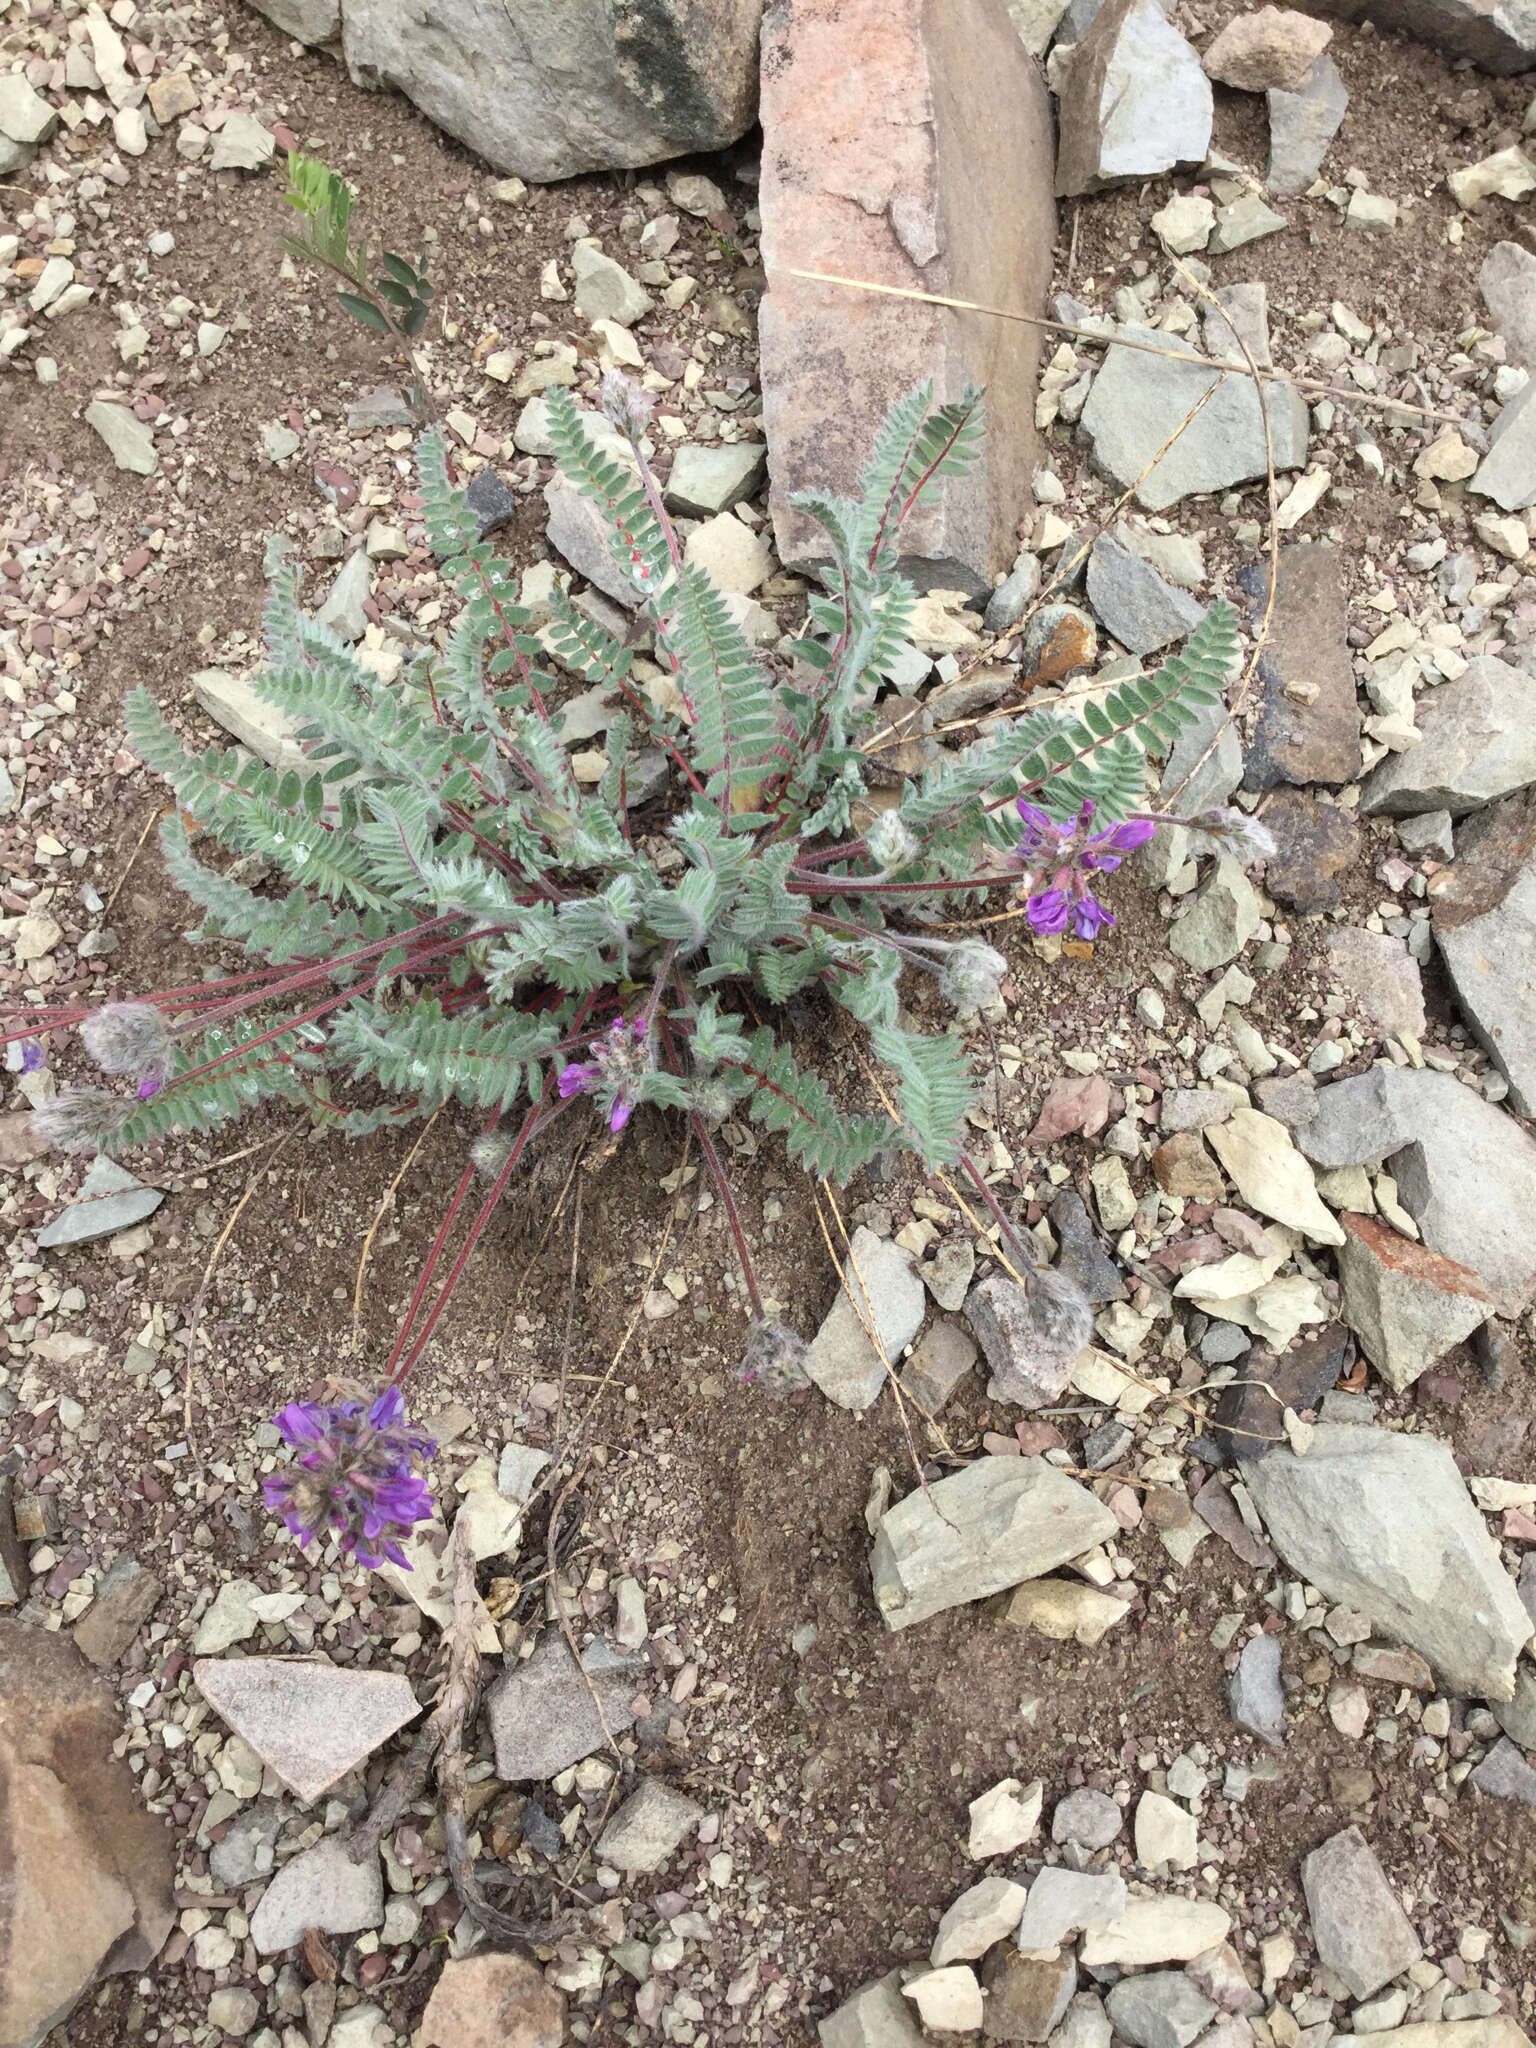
{"points": [[1061, 857], [32, 1057], [620, 1060], [353, 1476]]}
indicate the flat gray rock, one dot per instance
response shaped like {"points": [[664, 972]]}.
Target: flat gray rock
{"points": [[1517, 1717], [1062, 1903], [542, 1714], [1495, 35], [1138, 400], [1088, 1819], [1507, 473], [271, 735], [1485, 925], [25, 116], [307, 21], [578, 532], [647, 1828], [1220, 921], [709, 480], [1313, 736], [1465, 1171], [1255, 1693], [604, 289], [343, 608], [1142, 610], [1204, 767], [321, 1887], [1159, 2009], [110, 1200], [1302, 124], [310, 1720], [1507, 281], [129, 441], [1478, 743], [125, 1599], [1382, 1522], [1362, 1933], [881, 1277], [993, 1524], [1505, 1774], [1136, 103], [1381, 977]]}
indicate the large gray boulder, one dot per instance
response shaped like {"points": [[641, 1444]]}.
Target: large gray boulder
{"points": [[907, 145], [1383, 1523], [307, 21], [1138, 400], [1477, 743], [1465, 1171], [1495, 35], [549, 88]]}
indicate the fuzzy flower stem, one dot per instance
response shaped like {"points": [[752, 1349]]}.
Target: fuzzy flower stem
{"points": [[538, 1119]]}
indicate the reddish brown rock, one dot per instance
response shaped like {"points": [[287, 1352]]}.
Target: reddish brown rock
{"points": [[1269, 51], [1315, 843], [1309, 718], [1485, 923], [499, 2001], [1076, 1105], [17, 1144], [85, 1873], [1181, 1166], [908, 143], [1381, 976], [1405, 1303]]}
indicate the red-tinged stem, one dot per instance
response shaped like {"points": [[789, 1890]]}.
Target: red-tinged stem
{"points": [[538, 1119], [799, 884], [1010, 1229], [322, 970], [723, 1188], [464, 1186]]}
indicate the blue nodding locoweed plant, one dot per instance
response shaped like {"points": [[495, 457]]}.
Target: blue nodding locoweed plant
{"points": [[463, 921]]}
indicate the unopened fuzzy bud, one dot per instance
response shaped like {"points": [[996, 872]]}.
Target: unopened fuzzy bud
{"points": [[892, 842], [490, 1153], [1231, 832], [972, 975], [79, 1119], [774, 1359], [712, 1099], [127, 1038], [626, 405]]}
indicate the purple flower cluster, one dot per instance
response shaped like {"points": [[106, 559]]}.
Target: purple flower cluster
{"points": [[1058, 861], [620, 1060], [354, 1476]]}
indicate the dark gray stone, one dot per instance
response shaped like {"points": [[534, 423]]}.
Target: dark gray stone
{"points": [[490, 501], [1485, 923], [1081, 1256], [1134, 603], [1315, 843], [1308, 649], [1505, 1774], [1492, 34], [1159, 2009], [1089, 1819], [1302, 124]]}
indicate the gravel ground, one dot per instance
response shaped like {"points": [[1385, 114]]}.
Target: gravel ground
{"points": [[835, 1761]]}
